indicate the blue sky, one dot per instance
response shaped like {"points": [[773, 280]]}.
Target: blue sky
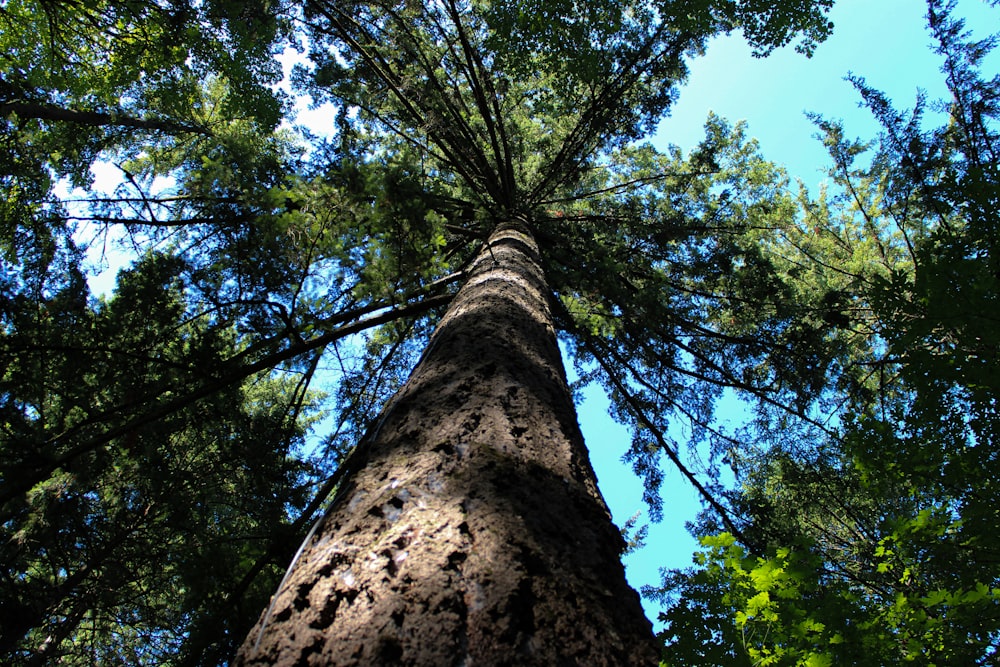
{"points": [[884, 41]]}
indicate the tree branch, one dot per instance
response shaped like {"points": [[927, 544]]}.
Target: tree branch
{"points": [[236, 374], [34, 110]]}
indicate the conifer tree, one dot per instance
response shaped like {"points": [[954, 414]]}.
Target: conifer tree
{"points": [[146, 491]]}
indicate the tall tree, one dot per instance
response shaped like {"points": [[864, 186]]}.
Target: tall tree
{"points": [[466, 131], [468, 526]]}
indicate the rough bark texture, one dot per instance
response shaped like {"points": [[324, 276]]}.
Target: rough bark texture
{"points": [[472, 531]]}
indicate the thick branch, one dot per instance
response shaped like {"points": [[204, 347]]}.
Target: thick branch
{"points": [[39, 111], [235, 375]]}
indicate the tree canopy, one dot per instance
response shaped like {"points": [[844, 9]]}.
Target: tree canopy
{"points": [[154, 476], [865, 538]]}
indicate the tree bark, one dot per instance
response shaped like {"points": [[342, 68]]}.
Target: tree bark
{"points": [[96, 118], [470, 530]]}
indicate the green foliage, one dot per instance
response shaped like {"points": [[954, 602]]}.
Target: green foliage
{"points": [[513, 99], [872, 542], [120, 547], [699, 302], [152, 476]]}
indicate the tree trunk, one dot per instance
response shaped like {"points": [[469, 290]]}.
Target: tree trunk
{"points": [[470, 530]]}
